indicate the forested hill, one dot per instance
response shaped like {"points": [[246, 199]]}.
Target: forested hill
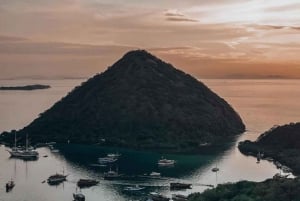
{"points": [[139, 102]]}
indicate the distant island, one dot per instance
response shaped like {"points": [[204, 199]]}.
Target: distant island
{"points": [[280, 143], [26, 87], [139, 102]]}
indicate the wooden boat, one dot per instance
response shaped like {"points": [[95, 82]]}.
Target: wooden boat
{"points": [[56, 179], [215, 169], [78, 197], [87, 183], [177, 185], [158, 197], [178, 197], [9, 185]]}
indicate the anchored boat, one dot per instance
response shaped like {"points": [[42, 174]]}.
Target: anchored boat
{"points": [[87, 183]]}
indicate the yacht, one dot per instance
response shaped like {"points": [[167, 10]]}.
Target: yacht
{"points": [[166, 162], [154, 174], [27, 153], [110, 175], [134, 188], [107, 160], [56, 179], [113, 155]]}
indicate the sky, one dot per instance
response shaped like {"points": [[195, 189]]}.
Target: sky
{"points": [[208, 39]]}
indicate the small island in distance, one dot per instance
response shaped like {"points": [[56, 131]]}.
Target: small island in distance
{"points": [[26, 87]]}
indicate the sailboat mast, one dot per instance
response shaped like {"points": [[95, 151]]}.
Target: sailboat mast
{"points": [[26, 141], [15, 139]]}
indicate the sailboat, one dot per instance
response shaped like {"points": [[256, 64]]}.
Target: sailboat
{"points": [[215, 169], [23, 153], [9, 185]]}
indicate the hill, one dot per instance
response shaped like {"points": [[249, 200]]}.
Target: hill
{"points": [[269, 190], [139, 102], [281, 143]]}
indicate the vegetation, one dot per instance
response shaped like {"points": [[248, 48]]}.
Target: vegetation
{"points": [[140, 102], [281, 143], [269, 190], [27, 87]]}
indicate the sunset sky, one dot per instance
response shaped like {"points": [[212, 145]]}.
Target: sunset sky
{"points": [[209, 39]]}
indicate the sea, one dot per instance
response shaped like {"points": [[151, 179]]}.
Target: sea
{"points": [[260, 103]]}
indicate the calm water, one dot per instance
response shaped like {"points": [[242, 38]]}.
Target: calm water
{"points": [[261, 103]]}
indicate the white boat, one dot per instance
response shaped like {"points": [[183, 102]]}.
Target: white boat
{"points": [[106, 160], [110, 175], [27, 153], [112, 155], [134, 188], [166, 162], [155, 174]]}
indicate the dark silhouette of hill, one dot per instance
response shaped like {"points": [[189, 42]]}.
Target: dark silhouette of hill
{"points": [[269, 190], [139, 102], [282, 143]]}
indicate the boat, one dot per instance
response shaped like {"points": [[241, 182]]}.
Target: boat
{"points": [[215, 169], [9, 185], [154, 174], [165, 162], [78, 197], [110, 175], [178, 197], [158, 197], [280, 176], [134, 188], [87, 183], [286, 169], [269, 159], [27, 153], [176, 186], [56, 179], [278, 165], [112, 155], [258, 157], [107, 160], [52, 149]]}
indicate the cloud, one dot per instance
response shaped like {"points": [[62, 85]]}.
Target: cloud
{"points": [[176, 16], [173, 13], [284, 8], [273, 27], [180, 19]]}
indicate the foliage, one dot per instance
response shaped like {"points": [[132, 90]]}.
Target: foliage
{"points": [[139, 102], [269, 190]]}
